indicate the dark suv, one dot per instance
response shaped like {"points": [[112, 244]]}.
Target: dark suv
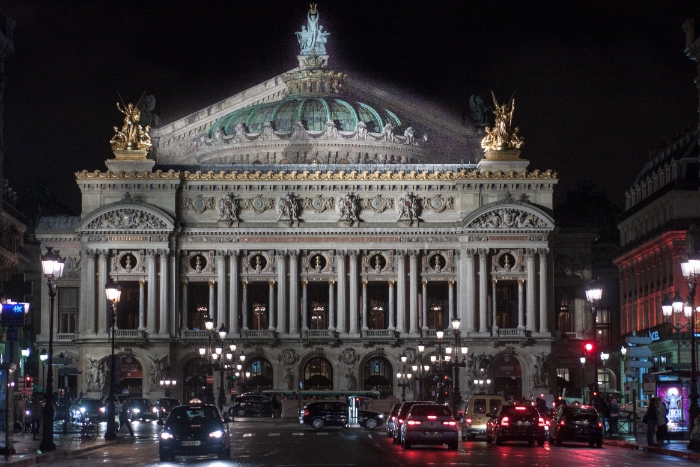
{"points": [[576, 423], [517, 423], [251, 405], [319, 414], [401, 417], [164, 406], [141, 409]]}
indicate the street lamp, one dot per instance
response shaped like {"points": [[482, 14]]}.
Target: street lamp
{"points": [[604, 358], [668, 308], [220, 357], [113, 292], [167, 383], [690, 265], [456, 395], [423, 369], [43, 356], [52, 266], [209, 391], [404, 378], [594, 293], [582, 359]]}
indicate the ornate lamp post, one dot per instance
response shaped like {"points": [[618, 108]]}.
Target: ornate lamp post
{"points": [[167, 383], [219, 358], [43, 356], [404, 378], [594, 293], [690, 265], [113, 292], [52, 266], [668, 308], [604, 359], [456, 395], [582, 359], [209, 391]]}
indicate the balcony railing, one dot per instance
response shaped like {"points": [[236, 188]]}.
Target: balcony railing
{"points": [[378, 333], [192, 333], [260, 334], [65, 336], [127, 333], [318, 333]]}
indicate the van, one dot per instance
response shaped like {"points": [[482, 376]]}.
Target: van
{"points": [[477, 412]]}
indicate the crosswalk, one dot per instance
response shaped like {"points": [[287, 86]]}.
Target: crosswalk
{"points": [[288, 433]]}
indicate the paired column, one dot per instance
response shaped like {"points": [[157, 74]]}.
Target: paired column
{"points": [[89, 295], [220, 289], [531, 290], [494, 308], [392, 306], [244, 307], [450, 299], [544, 321], [212, 299], [271, 306], [413, 287], [521, 318], [151, 301], [234, 296], [184, 306], [342, 292], [281, 292], [102, 308], [483, 280], [294, 292], [354, 292], [424, 284], [164, 279], [467, 289], [401, 291], [331, 305], [364, 306], [142, 305], [304, 306]]}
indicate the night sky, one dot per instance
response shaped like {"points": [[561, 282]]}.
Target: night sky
{"points": [[598, 84]]}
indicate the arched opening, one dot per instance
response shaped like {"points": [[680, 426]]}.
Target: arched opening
{"points": [[129, 376], [507, 376], [260, 378], [195, 384], [378, 375], [259, 295], [318, 374]]}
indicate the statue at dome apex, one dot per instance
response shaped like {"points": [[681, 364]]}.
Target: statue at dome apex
{"points": [[132, 135], [312, 38], [502, 136]]}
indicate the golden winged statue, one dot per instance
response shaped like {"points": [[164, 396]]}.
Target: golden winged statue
{"points": [[502, 136], [132, 135]]}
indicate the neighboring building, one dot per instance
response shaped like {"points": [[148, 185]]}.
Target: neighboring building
{"points": [[316, 219], [662, 204]]}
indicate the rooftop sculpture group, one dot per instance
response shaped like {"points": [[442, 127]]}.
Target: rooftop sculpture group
{"points": [[132, 135], [312, 37], [502, 136]]}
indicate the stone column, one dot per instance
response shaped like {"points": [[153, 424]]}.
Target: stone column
{"points": [[142, 305], [364, 306], [530, 326], [354, 293], [304, 306], [483, 281], [172, 286], [151, 300], [282, 312], [102, 308], [212, 300], [294, 292], [467, 288], [220, 289], [244, 308], [342, 292], [521, 318], [413, 295], [425, 304], [271, 306], [392, 306], [234, 294], [544, 318], [450, 299], [89, 295], [331, 305], [400, 291], [164, 294], [494, 307], [185, 304]]}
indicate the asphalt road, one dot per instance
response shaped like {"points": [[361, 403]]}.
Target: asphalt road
{"points": [[287, 444]]}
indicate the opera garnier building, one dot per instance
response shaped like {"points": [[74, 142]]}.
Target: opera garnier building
{"points": [[323, 226]]}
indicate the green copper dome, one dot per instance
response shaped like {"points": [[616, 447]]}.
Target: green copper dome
{"points": [[312, 111]]}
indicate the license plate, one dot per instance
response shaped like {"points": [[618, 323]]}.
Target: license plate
{"points": [[524, 423], [430, 434], [191, 443]]}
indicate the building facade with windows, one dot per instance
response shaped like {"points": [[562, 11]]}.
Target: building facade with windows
{"points": [[321, 222]]}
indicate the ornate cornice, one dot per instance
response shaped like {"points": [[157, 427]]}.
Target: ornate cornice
{"points": [[109, 175]]}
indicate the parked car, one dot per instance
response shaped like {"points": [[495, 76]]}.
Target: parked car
{"points": [[87, 411], [322, 413], [141, 409], [576, 423], [429, 424], [401, 416], [163, 406], [251, 405], [477, 412], [195, 430], [391, 419], [516, 423]]}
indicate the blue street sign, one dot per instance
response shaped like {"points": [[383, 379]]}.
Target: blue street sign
{"points": [[12, 315]]}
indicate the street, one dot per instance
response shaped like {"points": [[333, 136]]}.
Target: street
{"points": [[286, 443]]}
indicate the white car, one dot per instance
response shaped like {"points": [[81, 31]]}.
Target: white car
{"points": [[627, 409]]}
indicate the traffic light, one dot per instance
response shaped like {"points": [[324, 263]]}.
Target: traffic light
{"points": [[588, 348], [28, 380]]}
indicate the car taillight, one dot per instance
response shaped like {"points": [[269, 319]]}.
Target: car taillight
{"points": [[505, 421], [413, 422], [468, 421], [306, 412], [540, 421], [562, 422], [393, 417], [400, 421], [600, 425], [432, 417], [449, 422]]}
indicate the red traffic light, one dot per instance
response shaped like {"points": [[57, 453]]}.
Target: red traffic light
{"points": [[588, 347], [28, 379]]}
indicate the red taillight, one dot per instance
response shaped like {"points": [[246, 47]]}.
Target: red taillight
{"points": [[505, 421], [393, 417], [520, 408], [449, 422], [413, 422], [432, 417], [600, 425], [468, 421], [400, 421], [306, 412], [540, 421], [562, 422]]}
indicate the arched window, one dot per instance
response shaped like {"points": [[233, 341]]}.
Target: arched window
{"points": [[260, 377], [318, 374], [378, 375]]}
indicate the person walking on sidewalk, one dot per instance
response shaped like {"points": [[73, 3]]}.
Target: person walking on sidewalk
{"points": [[650, 420], [35, 410], [124, 417], [614, 416], [662, 421]]}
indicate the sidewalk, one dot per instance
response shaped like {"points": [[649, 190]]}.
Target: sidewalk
{"points": [[68, 445], [677, 448]]}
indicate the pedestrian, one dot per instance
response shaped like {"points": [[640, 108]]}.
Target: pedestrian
{"points": [[124, 417], [650, 420], [276, 407], [614, 416], [662, 422], [35, 410]]}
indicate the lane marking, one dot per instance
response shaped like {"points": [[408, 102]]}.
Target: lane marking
{"points": [[273, 434], [248, 435]]}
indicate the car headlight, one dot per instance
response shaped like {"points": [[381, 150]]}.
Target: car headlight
{"points": [[381, 415], [216, 434], [102, 409], [166, 435], [136, 410], [155, 409], [82, 410]]}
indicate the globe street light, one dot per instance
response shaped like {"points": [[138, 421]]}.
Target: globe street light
{"points": [[43, 356], [52, 266], [113, 292], [594, 293], [668, 308], [456, 395], [220, 358], [690, 265]]}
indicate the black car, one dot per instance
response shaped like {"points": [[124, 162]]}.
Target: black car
{"points": [[87, 411], [195, 430], [401, 416], [430, 424], [163, 406], [141, 409], [251, 405], [516, 423], [320, 414], [391, 419], [576, 423]]}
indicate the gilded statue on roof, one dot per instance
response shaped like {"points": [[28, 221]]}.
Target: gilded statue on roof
{"points": [[132, 135], [502, 136], [312, 38]]}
